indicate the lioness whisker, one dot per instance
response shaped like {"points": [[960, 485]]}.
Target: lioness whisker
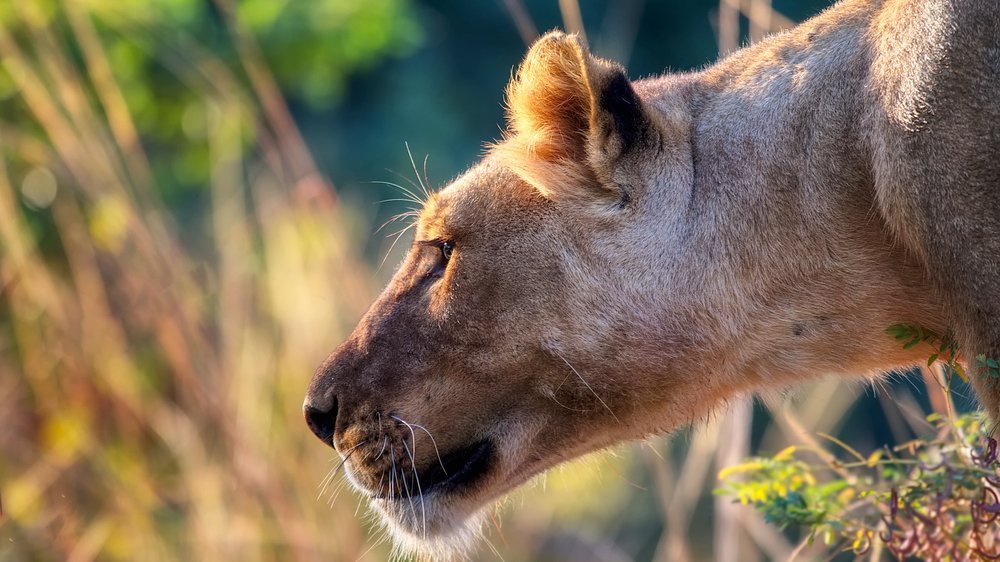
{"points": [[399, 233], [415, 172], [437, 453], [333, 473], [409, 493], [406, 489], [395, 200], [393, 245], [329, 476], [427, 182], [416, 477], [392, 471], [425, 430], [385, 441], [325, 483], [562, 382], [343, 484], [585, 383], [407, 192], [413, 435], [407, 180], [336, 493], [552, 396], [357, 509], [413, 213]]}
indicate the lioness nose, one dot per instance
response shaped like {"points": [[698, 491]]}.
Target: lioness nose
{"points": [[322, 422]]}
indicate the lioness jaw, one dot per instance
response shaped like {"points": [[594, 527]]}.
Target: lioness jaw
{"points": [[631, 254]]}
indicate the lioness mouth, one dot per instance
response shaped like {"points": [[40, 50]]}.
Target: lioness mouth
{"points": [[451, 473]]}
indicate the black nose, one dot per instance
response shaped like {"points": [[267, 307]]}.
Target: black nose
{"points": [[322, 422]]}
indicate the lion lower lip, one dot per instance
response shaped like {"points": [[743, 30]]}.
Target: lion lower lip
{"points": [[461, 468]]}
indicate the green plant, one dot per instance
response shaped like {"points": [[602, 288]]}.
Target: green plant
{"points": [[911, 335], [991, 367], [933, 498]]}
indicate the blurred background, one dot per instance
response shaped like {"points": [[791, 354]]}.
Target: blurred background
{"points": [[189, 194]]}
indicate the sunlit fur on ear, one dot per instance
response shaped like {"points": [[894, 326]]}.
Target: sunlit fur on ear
{"points": [[548, 100], [549, 109]]}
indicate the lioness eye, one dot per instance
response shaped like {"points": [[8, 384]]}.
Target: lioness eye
{"points": [[446, 249]]}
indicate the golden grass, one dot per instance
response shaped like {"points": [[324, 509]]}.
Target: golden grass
{"points": [[151, 395]]}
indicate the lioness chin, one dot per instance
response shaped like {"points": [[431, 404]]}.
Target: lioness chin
{"points": [[632, 254]]}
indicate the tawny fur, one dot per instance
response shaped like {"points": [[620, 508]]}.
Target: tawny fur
{"points": [[634, 254]]}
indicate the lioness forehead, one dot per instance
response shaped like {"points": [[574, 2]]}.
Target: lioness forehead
{"points": [[484, 195]]}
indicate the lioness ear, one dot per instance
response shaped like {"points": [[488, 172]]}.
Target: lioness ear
{"points": [[572, 117]]}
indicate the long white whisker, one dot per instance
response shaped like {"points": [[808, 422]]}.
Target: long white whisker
{"points": [[406, 179], [406, 487], [433, 441], [400, 231], [326, 481], [416, 477], [392, 471], [412, 434], [394, 200], [336, 492], [411, 195], [585, 383], [393, 245], [333, 473], [413, 214], [385, 441], [409, 496], [427, 180], [415, 172], [556, 400]]}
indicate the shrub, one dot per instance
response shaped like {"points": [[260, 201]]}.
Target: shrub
{"points": [[934, 498]]}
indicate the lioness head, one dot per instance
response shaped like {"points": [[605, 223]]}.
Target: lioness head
{"points": [[560, 297]]}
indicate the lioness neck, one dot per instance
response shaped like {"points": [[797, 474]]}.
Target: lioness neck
{"points": [[780, 222]]}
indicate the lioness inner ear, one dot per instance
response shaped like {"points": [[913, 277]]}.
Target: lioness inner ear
{"points": [[572, 116]]}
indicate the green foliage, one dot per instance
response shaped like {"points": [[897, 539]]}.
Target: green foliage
{"points": [[934, 498], [991, 367], [937, 497], [946, 346], [176, 62], [784, 489], [313, 46]]}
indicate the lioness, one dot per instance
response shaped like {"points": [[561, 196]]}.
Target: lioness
{"points": [[632, 254]]}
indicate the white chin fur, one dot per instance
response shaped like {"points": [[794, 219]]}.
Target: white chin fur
{"points": [[431, 527]]}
